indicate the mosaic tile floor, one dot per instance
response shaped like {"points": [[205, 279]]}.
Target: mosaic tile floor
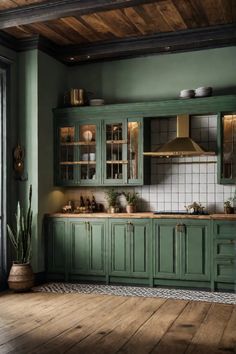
{"points": [[190, 295]]}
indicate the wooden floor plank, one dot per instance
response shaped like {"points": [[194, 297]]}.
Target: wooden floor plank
{"points": [[180, 334], [113, 334], [227, 343], [210, 332], [47, 323], [71, 338], [66, 318], [145, 339]]}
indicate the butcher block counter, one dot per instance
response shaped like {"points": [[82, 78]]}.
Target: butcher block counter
{"points": [[145, 215]]}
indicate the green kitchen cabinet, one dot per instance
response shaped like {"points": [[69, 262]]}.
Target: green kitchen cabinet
{"points": [[87, 247], [56, 248], [227, 147], [99, 150], [77, 152], [181, 249], [129, 242], [224, 254]]}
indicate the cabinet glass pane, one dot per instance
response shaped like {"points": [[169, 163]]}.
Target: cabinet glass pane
{"points": [[114, 151], [229, 146], [133, 143], [67, 153], [87, 151]]}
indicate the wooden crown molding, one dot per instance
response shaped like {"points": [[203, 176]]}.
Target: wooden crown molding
{"points": [[161, 43], [50, 10]]}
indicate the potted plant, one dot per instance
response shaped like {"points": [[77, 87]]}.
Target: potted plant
{"points": [[111, 197], [228, 208], [131, 199], [21, 277]]}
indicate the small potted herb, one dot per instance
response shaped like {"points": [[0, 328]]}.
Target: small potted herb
{"points": [[132, 200], [228, 207], [111, 197]]}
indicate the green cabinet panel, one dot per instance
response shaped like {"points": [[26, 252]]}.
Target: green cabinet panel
{"points": [[225, 271], [225, 248], [181, 250], [129, 248], [56, 246], [87, 247], [224, 253], [224, 229], [166, 253], [195, 251]]}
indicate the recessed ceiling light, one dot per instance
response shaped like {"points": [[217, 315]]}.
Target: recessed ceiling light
{"points": [[71, 58], [88, 56], [167, 48]]}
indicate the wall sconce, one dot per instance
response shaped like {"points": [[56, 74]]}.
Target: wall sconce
{"points": [[18, 162]]}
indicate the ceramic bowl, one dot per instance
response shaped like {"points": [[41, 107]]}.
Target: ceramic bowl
{"points": [[97, 102]]}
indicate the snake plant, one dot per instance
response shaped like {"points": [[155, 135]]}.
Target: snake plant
{"points": [[21, 235]]}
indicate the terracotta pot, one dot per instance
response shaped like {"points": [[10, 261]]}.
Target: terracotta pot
{"points": [[130, 209], [21, 277]]}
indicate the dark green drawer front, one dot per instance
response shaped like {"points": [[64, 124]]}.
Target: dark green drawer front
{"points": [[225, 248], [225, 271], [225, 229]]}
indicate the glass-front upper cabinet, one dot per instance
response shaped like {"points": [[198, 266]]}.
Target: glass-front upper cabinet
{"points": [[122, 152], [76, 155], [228, 149]]}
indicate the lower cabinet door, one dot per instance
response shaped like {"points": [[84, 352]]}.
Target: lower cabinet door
{"points": [[225, 270], [56, 246], [195, 250], [78, 247], [96, 247], [166, 253], [139, 232], [87, 247], [129, 245], [119, 248]]}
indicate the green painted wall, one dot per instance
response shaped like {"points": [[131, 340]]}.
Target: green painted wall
{"points": [[28, 117], [42, 81], [158, 77], [52, 82]]}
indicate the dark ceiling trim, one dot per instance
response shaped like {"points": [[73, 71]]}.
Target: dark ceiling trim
{"points": [[186, 40], [161, 43], [50, 10]]}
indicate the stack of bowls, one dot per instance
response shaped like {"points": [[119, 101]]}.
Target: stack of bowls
{"points": [[187, 94], [203, 92]]}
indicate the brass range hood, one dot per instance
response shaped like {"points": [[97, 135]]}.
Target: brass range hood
{"points": [[182, 145]]}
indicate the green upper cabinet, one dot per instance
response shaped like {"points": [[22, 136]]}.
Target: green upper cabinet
{"points": [[99, 151], [122, 151], [227, 148], [77, 152]]}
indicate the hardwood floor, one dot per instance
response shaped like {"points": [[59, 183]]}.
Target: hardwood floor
{"points": [[35, 323]]}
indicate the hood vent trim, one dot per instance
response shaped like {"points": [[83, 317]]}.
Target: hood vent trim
{"points": [[182, 145]]}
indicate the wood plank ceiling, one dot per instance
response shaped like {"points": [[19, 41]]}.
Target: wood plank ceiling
{"points": [[123, 31]]}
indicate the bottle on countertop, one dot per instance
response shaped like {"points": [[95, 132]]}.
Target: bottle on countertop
{"points": [[81, 204], [88, 205], [93, 205]]}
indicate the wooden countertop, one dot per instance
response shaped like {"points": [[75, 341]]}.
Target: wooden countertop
{"points": [[145, 215]]}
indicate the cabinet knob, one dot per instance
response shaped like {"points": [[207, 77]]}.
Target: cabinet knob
{"points": [[180, 228]]}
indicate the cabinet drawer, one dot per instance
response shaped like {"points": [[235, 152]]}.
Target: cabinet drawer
{"points": [[225, 229], [225, 270], [225, 248]]}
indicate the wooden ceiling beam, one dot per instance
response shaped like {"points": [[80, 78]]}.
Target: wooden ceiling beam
{"points": [[160, 43], [54, 9]]}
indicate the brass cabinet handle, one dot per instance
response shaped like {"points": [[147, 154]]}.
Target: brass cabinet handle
{"points": [[232, 241], [180, 228]]}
